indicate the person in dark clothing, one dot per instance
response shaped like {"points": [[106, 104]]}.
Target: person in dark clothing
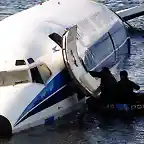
{"points": [[108, 83], [125, 88]]}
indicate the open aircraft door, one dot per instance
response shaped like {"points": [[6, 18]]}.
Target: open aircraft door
{"points": [[83, 79]]}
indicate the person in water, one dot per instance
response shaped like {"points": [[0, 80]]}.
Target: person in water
{"points": [[108, 83], [125, 88]]}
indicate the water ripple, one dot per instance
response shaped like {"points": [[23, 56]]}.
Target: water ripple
{"points": [[97, 129]]}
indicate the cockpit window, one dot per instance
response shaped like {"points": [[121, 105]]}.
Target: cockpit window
{"points": [[36, 77], [14, 77], [40, 74], [44, 72], [56, 38], [20, 62]]}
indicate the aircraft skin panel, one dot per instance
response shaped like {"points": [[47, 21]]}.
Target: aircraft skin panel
{"points": [[92, 49], [106, 51], [95, 55], [35, 101], [121, 42], [13, 99], [55, 90], [54, 112], [28, 31]]}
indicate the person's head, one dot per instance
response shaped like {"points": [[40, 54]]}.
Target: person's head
{"points": [[123, 74], [105, 70]]}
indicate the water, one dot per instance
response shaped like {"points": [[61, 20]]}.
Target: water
{"points": [[97, 129], [9, 7]]}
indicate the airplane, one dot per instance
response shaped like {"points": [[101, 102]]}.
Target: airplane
{"points": [[44, 52]]}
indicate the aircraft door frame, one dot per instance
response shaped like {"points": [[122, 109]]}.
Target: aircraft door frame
{"points": [[82, 79]]}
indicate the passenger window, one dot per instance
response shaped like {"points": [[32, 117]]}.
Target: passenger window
{"points": [[36, 77], [44, 72], [56, 38], [20, 62]]}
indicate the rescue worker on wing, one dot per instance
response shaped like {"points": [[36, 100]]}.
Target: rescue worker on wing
{"points": [[108, 83], [125, 88]]}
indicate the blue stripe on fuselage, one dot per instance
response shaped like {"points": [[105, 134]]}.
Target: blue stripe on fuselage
{"points": [[50, 101], [57, 82]]}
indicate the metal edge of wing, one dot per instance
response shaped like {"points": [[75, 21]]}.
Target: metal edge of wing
{"points": [[130, 13]]}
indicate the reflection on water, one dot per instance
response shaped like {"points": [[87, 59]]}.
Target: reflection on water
{"points": [[96, 129]]}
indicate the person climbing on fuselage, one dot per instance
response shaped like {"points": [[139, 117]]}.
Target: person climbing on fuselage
{"points": [[107, 85], [125, 88]]}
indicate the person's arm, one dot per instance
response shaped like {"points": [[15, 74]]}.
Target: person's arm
{"points": [[95, 74], [135, 86]]}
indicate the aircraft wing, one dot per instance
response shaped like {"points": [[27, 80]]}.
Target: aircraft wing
{"points": [[131, 13]]}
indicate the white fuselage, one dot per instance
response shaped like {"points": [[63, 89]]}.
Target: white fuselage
{"points": [[26, 35]]}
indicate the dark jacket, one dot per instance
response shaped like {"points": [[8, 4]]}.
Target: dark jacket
{"points": [[108, 81], [125, 88]]}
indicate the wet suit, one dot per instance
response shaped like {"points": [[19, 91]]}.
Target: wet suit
{"points": [[125, 89], [107, 86]]}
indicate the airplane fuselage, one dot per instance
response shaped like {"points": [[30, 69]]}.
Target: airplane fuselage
{"points": [[34, 81]]}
